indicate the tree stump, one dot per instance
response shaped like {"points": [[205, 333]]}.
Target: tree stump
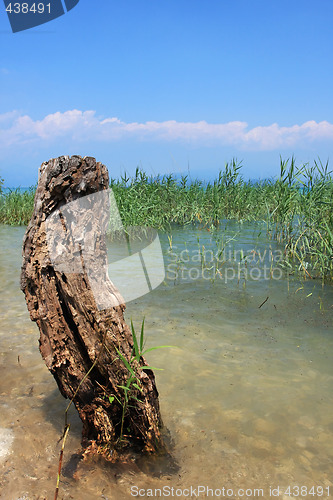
{"points": [[83, 344]]}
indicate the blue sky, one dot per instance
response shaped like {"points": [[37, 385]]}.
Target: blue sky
{"points": [[167, 85]]}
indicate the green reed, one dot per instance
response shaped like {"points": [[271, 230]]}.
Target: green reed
{"points": [[16, 206], [296, 207]]}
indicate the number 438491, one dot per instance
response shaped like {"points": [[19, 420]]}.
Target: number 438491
{"points": [[23, 8], [303, 491]]}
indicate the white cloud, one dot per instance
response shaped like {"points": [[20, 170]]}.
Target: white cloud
{"points": [[79, 126]]}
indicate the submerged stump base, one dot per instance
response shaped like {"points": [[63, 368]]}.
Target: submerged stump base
{"points": [[84, 346]]}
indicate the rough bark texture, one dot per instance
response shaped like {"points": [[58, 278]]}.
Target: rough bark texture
{"points": [[74, 333]]}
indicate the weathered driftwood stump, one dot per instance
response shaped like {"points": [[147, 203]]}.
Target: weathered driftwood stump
{"points": [[75, 332]]}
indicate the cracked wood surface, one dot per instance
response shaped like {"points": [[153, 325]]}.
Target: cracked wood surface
{"points": [[74, 332]]}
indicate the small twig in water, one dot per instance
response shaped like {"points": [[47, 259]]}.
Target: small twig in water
{"points": [[263, 302]]}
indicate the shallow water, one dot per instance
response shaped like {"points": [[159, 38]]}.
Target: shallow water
{"points": [[246, 393]]}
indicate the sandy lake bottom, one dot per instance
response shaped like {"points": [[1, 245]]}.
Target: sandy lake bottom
{"points": [[246, 394]]}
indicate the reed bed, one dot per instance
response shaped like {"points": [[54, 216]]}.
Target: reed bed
{"points": [[16, 206], [296, 207]]}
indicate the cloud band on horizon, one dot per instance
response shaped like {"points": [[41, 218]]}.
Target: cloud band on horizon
{"points": [[18, 129]]}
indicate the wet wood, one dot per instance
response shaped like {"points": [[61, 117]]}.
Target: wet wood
{"points": [[76, 334]]}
